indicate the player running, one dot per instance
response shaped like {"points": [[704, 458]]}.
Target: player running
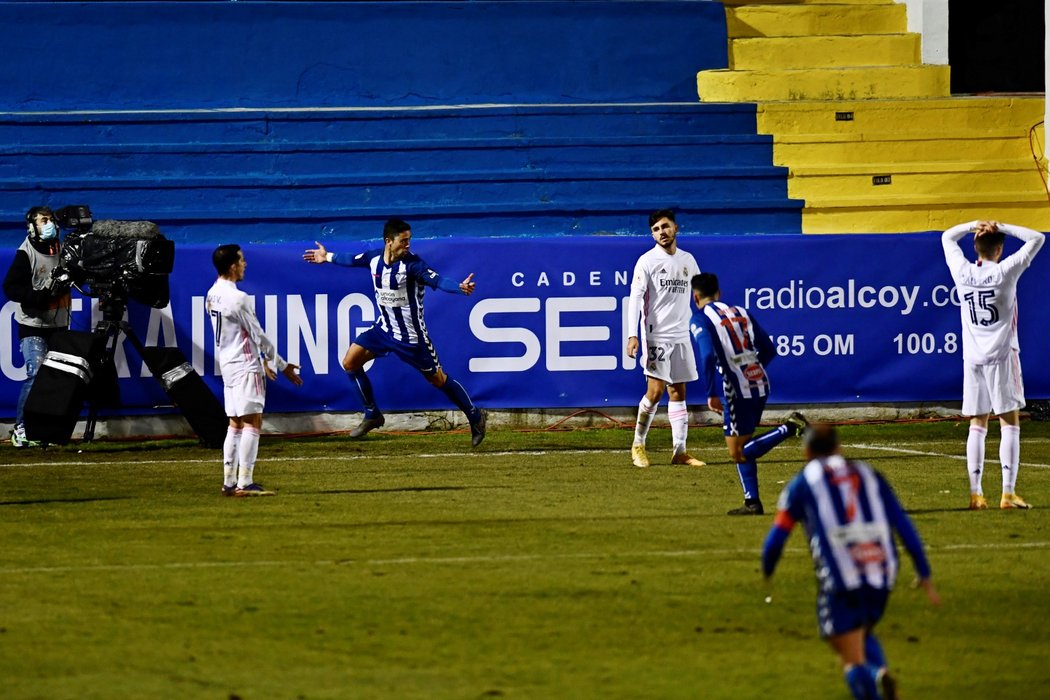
{"points": [[660, 297], [992, 380], [730, 342], [399, 277], [850, 513]]}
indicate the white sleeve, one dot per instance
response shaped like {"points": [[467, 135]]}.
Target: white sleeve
{"points": [[953, 254], [639, 283], [1019, 261], [251, 325]]}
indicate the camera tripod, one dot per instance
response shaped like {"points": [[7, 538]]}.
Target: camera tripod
{"points": [[113, 305]]}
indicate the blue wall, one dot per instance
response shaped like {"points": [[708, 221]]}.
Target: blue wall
{"points": [[171, 55]]}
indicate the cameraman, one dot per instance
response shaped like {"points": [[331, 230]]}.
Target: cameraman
{"points": [[41, 289]]}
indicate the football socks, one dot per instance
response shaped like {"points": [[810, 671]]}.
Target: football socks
{"points": [[249, 448], [748, 472], [229, 456], [458, 395], [757, 447], [363, 385], [1010, 455], [646, 413], [678, 415], [975, 457]]}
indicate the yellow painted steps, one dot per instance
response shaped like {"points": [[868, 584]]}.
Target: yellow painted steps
{"points": [[819, 184], [772, 53], [796, 150], [806, 2], [857, 83], [892, 216], [931, 114], [810, 19]]}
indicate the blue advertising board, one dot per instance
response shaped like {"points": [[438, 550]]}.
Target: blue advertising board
{"points": [[859, 318]]}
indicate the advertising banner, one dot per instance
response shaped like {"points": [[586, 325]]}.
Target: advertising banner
{"points": [[858, 319]]}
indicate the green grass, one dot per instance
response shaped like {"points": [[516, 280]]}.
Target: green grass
{"points": [[541, 566]]}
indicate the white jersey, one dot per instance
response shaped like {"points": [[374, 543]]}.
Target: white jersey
{"points": [[240, 343], [662, 296], [988, 293]]}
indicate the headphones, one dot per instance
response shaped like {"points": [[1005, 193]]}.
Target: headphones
{"points": [[31, 215]]}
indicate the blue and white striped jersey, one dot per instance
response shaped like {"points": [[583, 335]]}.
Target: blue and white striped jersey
{"points": [[399, 291], [728, 341], [849, 513]]}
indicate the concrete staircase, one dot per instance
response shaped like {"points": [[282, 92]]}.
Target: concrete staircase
{"points": [[872, 138]]}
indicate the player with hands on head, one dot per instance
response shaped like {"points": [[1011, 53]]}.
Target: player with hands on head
{"points": [[992, 381], [244, 354], [400, 278], [850, 514]]}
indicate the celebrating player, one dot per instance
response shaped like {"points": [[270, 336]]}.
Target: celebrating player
{"points": [[244, 352], [991, 364], [399, 277], [660, 296], [849, 512], [730, 342]]}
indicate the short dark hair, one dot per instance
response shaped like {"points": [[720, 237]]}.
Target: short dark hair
{"points": [[987, 243], [661, 214], [225, 257], [35, 211], [393, 227], [821, 440], [706, 283]]}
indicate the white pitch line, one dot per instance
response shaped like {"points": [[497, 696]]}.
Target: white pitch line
{"points": [[481, 559], [902, 450], [350, 458]]}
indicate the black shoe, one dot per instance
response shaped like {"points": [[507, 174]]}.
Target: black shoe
{"points": [[477, 429], [753, 508], [796, 423], [889, 685], [368, 425]]}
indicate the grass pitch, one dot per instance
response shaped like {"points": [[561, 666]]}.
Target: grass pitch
{"points": [[542, 565]]}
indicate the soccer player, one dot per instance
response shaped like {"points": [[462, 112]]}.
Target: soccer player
{"points": [[400, 277], [849, 512], [992, 381], [730, 342], [244, 354], [660, 297]]}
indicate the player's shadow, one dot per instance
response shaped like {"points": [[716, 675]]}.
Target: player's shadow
{"points": [[40, 501], [403, 489], [923, 511]]}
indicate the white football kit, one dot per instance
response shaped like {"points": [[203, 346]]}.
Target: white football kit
{"points": [[992, 381], [240, 347], [661, 295]]}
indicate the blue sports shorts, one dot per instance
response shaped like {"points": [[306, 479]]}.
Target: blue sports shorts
{"points": [[845, 611], [741, 416], [422, 356]]}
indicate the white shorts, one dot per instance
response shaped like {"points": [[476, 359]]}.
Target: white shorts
{"points": [[669, 362], [995, 389], [247, 395]]}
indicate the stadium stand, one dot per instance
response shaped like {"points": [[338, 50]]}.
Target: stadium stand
{"points": [[873, 139]]}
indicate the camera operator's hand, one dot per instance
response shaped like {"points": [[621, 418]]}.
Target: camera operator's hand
{"points": [[60, 282]]}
